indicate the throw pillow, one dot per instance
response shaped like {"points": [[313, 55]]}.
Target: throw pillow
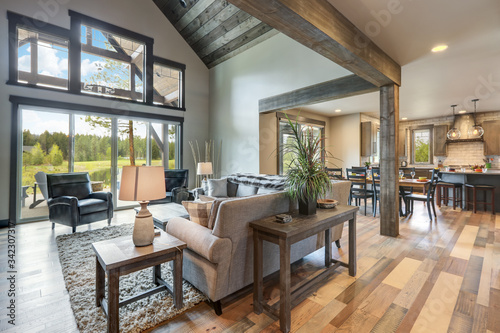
{"points": [[263, 190], [217, 187], [215, 211], [246, 190], [199, 212]]}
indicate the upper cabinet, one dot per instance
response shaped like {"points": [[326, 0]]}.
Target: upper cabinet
{"points": [[402, 142], [366, 138], [440, 132], [490, 137]]}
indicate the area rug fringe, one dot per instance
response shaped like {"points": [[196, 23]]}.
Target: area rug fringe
{"points": [[78, 266]]}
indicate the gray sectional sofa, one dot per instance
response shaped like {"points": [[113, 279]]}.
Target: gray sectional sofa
{"points": [[219, 261]]}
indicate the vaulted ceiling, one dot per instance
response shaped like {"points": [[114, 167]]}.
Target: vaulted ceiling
{"points": [[215, 29]]}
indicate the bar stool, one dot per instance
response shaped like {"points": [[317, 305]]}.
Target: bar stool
{"points": [[456, 194], [474, 202]]}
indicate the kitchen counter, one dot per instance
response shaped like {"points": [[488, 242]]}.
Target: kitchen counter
{"points": [[491, 177]]}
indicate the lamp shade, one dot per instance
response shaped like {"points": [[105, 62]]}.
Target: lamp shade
{"points": [[204, 168], [142, 183]]}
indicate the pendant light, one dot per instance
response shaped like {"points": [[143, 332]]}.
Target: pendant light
{"points": [[475, 131], [454, 133]]}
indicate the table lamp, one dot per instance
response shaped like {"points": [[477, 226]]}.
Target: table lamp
{"points": [[142, 183], [204, 169]]}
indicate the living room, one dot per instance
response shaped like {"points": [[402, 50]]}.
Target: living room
{"points": [[220, 100]]}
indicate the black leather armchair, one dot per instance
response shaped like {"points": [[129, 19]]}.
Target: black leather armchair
{"points": [[176, 182], [71, 200]]}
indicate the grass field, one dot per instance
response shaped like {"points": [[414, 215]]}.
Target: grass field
{"points": [[98, 170]]}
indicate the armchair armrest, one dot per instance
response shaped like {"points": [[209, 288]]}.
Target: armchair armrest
{"points": [[200, 239], [63, 200], [106, 196]]}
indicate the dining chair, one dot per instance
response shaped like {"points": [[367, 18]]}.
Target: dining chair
{"points": [[359, 188], [334, 173], [375, 188], [428, 198]]}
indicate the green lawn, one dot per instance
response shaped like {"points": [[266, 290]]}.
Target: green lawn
{"points": [[99, 170]]}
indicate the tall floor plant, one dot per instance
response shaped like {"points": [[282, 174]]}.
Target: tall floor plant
{"points": [[306, 177]]}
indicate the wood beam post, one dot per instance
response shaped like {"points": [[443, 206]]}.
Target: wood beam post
{"points": [[346, 86], [389, 161], [322, 28]]}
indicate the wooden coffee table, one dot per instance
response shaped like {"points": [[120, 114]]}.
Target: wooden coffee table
{"points": [[119, 256]]}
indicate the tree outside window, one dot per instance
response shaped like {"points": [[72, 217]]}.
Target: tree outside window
{"points": [[421, 146]]}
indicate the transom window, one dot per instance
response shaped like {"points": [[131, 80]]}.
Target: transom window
{"points": [[93, 58]]}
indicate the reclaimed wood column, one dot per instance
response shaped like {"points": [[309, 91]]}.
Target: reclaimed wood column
{"points": [[389, 162]]}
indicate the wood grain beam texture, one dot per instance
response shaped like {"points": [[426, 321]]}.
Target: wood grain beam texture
{"points": [[322, 28], [326, 91]]}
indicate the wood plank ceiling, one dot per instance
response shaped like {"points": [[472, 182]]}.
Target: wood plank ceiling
{"points": [[215, 29]]}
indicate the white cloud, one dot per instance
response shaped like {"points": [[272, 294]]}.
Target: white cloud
{"points": [[24, 63], [49, 63], [89, 68]]}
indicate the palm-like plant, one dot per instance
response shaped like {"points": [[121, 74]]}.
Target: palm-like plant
{"points": [[306, 177]]}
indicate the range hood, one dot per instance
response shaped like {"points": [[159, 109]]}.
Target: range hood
{"points": [[463, 123]]}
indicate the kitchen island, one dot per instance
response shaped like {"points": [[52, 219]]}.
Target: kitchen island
{"points": [[492, 177]]}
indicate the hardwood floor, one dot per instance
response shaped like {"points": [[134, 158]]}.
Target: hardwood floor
{"points": [[439, 276]]}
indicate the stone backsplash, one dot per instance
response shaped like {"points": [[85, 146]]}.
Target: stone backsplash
{"points": [[467, 153]]}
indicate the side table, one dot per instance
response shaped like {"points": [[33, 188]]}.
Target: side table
{"points": [[119, 256], [284, 235]]}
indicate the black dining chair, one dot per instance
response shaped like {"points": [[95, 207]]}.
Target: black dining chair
{"points": [[375, 188], [428, 198], [334, 173], [359, 189]]}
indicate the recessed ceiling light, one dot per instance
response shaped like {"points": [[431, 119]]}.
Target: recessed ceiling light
{"points": [[338, 110], [404, 118], [462, 111], [439, 48]]}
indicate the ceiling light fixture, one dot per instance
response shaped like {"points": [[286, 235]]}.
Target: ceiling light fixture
{"points": [[454, 133], [439, 48], [338, 110], [183, 3], [404, 118], [475, 131], [462, 111]]}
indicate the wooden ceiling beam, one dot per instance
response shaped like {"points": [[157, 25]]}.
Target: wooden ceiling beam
{"points": [[322, 28], [346, 86]]}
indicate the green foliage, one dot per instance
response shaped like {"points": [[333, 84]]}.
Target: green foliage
{"points": [[421, 151], [306, 175], [55, 156], [37, 155]]}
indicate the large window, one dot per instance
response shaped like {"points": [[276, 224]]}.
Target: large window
{"points": [[58, 141], [93, 58], [421, 143], [285, 135]]}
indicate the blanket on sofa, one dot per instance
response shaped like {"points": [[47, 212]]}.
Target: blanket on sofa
{"points": [[275, 182]]}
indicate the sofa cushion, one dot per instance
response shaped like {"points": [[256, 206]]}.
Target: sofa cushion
{"points": [[217, 187], [231, 188], [199, 212], [215, 210], [246, 190], [88, 206]]}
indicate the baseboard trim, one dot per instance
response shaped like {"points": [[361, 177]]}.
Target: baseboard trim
{"points": [[4, 223]]}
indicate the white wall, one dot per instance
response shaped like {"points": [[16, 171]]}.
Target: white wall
{"points": [[274, 66], [345, 137], [139, 16]]}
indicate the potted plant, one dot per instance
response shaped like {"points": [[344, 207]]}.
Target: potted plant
{"points": [[306, 178]]}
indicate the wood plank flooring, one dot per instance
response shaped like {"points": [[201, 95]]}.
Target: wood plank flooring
{"points": [[439, 276]]}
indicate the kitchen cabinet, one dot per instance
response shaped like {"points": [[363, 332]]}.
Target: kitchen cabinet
{"points": [[366, 138], [490, 137], [440, 132], [402, 142]]}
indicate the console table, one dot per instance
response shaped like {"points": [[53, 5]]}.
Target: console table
{"points": [[301, 227]]}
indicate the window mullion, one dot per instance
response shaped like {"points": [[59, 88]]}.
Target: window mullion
{"points": [[75, 56]]}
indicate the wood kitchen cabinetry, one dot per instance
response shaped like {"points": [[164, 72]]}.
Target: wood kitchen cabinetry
{"points": [[366, 138], [402, 142], [440, 132], [490, 137]]}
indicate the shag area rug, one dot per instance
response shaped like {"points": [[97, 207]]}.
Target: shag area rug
{"points": [[78, 266]]}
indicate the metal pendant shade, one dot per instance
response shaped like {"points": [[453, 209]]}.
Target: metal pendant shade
{"points": [[454, 133], [475, 131]]}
